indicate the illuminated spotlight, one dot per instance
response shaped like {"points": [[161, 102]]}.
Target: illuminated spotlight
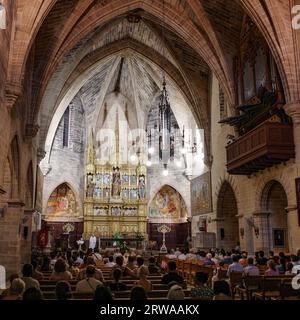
{"points": [[178, 164], [133, 158], [151, 150], [148, 163], [165, 172]]}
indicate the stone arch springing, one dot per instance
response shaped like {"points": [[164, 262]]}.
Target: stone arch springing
{"points": [[29, 189], [15, 160], [227, 220], [274, 202], [7, 179]]}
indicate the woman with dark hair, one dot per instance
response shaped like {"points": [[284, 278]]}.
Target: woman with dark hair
{"points": [[103, 293], [201, 290], [138, 293], [63, 290], [60, 271], [117, 285], [222, 290], [33, 294], [272, 270]]}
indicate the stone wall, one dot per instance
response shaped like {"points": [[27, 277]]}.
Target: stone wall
{"points": [[249, 190]]}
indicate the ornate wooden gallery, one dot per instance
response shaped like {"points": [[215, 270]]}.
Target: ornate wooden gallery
{"points": [[115, 201]]}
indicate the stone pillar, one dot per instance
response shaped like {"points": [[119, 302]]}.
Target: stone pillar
{"points": [[293, 235], [26, 236], [261, 231], [10, 236], [293, 110]]}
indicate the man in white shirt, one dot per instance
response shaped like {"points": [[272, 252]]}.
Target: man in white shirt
{"points": [[177, 252], [235, 266], [251, 269], [89, 284]]}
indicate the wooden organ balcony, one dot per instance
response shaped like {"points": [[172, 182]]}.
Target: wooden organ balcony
{"points": [[266, 145]]}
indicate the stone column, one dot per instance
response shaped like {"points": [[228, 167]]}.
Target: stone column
{"points": [[293, 110], [293, 235], [261, 231], [10, 236], [26, 236]]}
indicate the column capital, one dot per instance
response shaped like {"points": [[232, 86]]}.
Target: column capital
{"points": [[293, 110], [12, 93]]}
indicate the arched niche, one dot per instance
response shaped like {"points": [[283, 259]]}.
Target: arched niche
{"points": [[167, 205], [62, 204]]}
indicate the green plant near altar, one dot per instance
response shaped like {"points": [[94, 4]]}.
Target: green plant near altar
{"points": [[117, 237]]}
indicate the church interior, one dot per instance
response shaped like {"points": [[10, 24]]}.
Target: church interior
{"points": [[164, 130]]}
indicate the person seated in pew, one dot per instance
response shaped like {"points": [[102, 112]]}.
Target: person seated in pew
{"points": [[139, 262], [7, 291], [175, 293], [143, 272], [271, 270], [177, 252], [27, 272], [111, 262], [182, 256], [138, 293], [16, 290], [103, 293], [90, 283], [222, 290], [289, 268], [60, 271], [117, 285], [35, 273], [201, 290], [208, 261], [125, 271], [152, 266], [63, 290], [251, 269], [97, 257], [235, 266], [219, 273], [172, 275], [73, 268], [98, 273], [33, 294], [131, 264]]}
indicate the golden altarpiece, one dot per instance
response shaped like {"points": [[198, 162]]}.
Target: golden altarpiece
{"points": [[115, 197]]}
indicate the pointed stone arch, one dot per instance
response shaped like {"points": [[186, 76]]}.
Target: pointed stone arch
{"points": [[226, 217]]}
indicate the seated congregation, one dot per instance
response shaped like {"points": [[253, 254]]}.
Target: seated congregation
{"points": [[213, 275]]}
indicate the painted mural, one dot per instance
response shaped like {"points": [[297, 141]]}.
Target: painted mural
{"points": [[168, 203], [201, 195], [62, 203]]}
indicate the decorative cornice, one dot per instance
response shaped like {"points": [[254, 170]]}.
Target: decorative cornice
{"points": [[12, 93], [293, 110]]}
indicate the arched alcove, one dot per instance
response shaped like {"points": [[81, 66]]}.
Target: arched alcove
{"points": [[273, 202], [227, 221], [168, 207]]}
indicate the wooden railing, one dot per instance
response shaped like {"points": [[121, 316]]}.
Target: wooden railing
{"points": [[268, 144]]}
